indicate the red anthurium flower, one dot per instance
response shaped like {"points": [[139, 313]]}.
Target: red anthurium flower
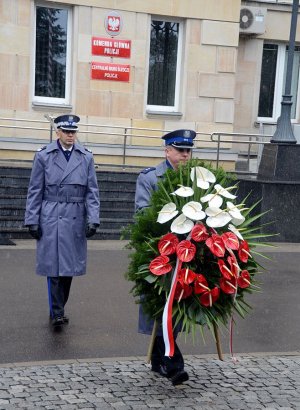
{"points": [[244, 279], [229, 286], [244, 251], [216, 245], [160, 266], [185, 251], [208, 298], [199, 233], [200, 284], [186, 276], [167, 244], [231, 271], [230, 240], [182, 291], [233, 265]]}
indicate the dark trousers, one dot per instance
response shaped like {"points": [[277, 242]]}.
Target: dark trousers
{"points": [[172, 364], [58, 294]]}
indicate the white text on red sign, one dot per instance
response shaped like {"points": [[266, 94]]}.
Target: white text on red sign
{"points": [[110, 71], [109, 47]]}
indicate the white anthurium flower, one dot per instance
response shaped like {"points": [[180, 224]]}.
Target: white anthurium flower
{"points": [[167, 213], [182, 225], [184, 191], [235, 231], [193, 210], [236, 216], [214, 200], [224, 191], [217, 217], [237, 221], [203, 177], [212, 211]]}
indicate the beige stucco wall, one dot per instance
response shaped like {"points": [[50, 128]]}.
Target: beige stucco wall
{"points": [[209, 66], [247, 84], [219, 83], [204, 50], [278, 24], [223, 10]]}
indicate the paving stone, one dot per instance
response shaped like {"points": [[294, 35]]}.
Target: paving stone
{"points": [[2, 401], [254, 382]]}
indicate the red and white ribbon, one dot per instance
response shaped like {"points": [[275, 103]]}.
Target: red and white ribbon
{"points": [[167, 323], [234, 359]]}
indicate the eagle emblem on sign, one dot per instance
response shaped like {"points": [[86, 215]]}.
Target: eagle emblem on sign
{"points": [[113, 23]]}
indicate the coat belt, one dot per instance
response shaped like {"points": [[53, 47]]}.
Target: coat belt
{"points": [[52, 198]]}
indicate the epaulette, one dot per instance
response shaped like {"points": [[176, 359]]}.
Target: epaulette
{"points": [[88, 150], [42, 148], [146, 170]]}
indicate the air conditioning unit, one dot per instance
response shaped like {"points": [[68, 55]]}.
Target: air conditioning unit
{"points": [[252, 20]]}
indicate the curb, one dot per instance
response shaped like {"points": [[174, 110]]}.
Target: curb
{"points": [[143, 358]]}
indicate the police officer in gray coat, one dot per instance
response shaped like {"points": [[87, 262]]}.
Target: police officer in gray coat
{"points": [[62, 210], [178, 148]]}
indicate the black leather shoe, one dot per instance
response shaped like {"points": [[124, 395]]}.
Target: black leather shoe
{"points": [[57, 321], [65, 319], [179, 377], [161, 369]]}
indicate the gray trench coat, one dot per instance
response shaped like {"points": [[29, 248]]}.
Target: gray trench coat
{"points": [[147, 183], [62, 197]]}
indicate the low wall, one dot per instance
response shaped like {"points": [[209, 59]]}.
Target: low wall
{"points": [[282, 200]]}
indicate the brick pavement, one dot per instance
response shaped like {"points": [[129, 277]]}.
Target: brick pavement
{"points": [[260, 381]]}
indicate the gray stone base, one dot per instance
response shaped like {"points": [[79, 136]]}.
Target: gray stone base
{"points": [[282, 200], [280, 162]]}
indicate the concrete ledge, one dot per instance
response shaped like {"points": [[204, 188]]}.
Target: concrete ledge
{"points": [[95, 245], [117, 359]]}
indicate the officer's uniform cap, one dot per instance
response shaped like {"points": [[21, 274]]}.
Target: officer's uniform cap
{"points": [[67, 122], [180, 138]]}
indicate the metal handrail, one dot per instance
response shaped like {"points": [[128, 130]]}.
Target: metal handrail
{"points": [[236, 141], [217, 138], [126, 128]]}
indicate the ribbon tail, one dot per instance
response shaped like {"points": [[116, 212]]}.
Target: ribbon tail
{"points": [[167, 323], [234, 359]]}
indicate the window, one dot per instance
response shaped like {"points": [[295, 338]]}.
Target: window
{"points": [[52, 54], [272, 84], [164, 66]]}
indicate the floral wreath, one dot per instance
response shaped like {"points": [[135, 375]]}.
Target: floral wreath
{"points": [[194, 259]]}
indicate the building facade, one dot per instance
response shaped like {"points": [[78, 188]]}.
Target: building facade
{"points": [[132, 69]]}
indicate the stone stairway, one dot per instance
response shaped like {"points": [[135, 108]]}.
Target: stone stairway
{"points": [[117, 190]]}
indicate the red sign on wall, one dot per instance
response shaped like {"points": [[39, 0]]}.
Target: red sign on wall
{"points": [[110, 71], [111, 47]]}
